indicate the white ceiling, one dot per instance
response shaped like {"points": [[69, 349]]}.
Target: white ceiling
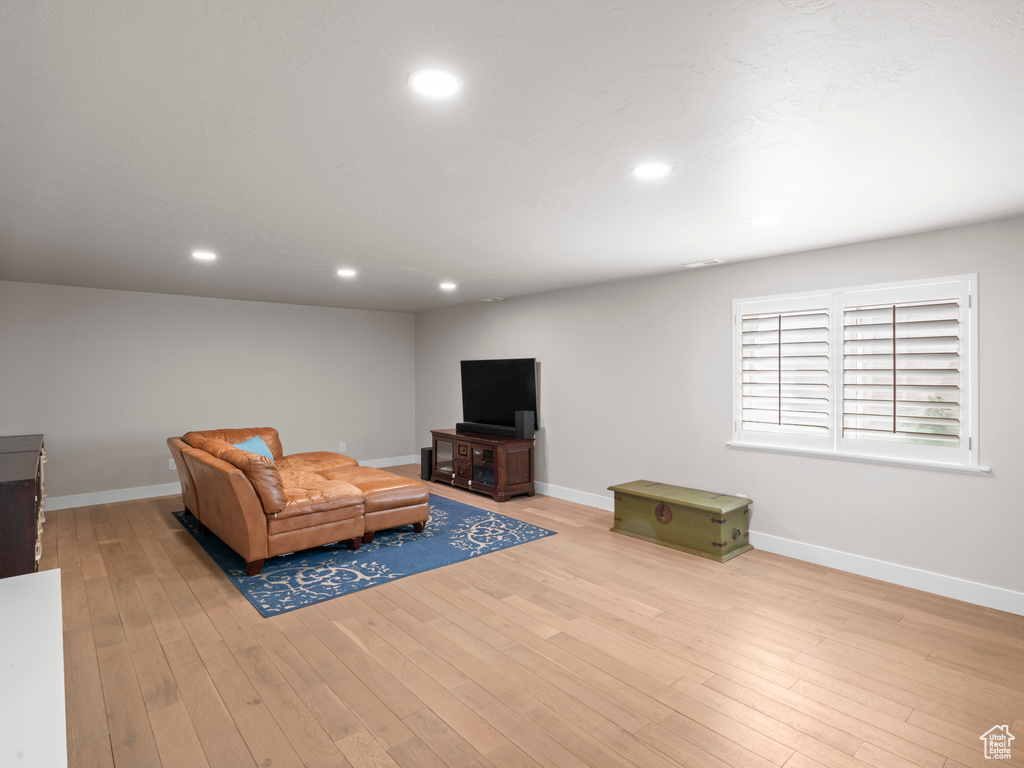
{"points": [[282, 135]]}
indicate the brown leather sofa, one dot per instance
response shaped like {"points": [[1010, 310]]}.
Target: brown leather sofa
{"points": [[261, 507]]}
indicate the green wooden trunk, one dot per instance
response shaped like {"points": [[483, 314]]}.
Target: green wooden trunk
{"points": [[711, 525]]}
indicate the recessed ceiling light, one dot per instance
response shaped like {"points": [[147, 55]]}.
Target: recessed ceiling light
{"points": [[204, 255], [345, 272], [765, 219], [435, 83], [705, 263], [447, 286], [651, 171], [495, 298]]}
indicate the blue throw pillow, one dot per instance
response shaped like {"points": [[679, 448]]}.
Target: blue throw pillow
{"points": [[256, 445]]}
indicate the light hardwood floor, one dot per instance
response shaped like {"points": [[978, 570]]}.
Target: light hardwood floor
{"points": [[581, 649]]}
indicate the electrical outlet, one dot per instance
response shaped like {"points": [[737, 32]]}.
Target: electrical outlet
{"points": [[171, 463], [341, 447]]}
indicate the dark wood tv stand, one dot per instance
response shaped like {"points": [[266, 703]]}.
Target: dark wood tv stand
{"points": [[501, 467]]}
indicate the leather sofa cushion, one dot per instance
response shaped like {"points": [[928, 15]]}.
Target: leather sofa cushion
{"points": [[284, 522], [260, 471], [392, 518], [381, 490], [315, 461], [314, 536], [307, 492], [232, 436]]}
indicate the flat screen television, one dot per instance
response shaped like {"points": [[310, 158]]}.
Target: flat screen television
{"points": [[493, 390]]}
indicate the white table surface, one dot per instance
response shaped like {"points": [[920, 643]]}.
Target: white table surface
{"points": [[32, 725]]}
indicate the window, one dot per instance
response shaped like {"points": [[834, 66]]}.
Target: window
{"points": [[882, 373], [784, 371]]}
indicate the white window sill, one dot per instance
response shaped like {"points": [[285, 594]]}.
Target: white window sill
{"points": [[861, 459]]}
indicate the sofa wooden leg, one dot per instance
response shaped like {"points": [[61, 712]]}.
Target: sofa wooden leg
{"points": [[419, 527], [368, 537], [355, 543], [253, 568], [202, 528]]}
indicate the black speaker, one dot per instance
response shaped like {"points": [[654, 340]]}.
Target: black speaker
{"points": [[485, 429], [524, 423], [426, 463]]}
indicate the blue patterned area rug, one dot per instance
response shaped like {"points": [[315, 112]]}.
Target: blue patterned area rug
{"points": [[455, 532]]}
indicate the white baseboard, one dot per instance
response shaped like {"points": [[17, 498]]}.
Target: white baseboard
{"points": [[169, 489], [936, 583], [110, 497], [394, 461], [579, 497]]}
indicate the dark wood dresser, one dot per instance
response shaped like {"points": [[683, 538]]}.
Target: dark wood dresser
{"points": [[21, 503]]}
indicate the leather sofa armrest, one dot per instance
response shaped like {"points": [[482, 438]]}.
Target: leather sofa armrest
{"points": [[230, 506], [188, 487], [261, 472], [269, 436]]}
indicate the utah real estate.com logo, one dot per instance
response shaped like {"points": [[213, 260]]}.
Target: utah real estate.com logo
{"points": [[997, 742]]}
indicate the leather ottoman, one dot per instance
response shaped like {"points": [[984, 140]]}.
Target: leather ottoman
{"points": [[388, 500]]}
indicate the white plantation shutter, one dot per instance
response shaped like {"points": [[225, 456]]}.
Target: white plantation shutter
{"points": [[783, 359], [901, 373], [877, 373], [785, 372]]}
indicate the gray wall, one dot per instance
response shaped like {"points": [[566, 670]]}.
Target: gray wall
{"points": [[635, 383], [107, 376]]}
